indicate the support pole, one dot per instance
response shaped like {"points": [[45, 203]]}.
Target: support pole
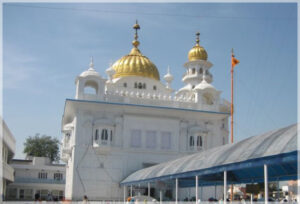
{"points": [[176, 191], [225, 187], [130, 190], [196, 189], [160, 197], [148, 189], [139, 191], [124, 194], [266, 183]]}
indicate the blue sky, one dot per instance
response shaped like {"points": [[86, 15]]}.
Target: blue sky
{"points": [[46, 46]]}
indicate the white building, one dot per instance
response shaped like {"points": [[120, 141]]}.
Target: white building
{"points": [[8, 146], [36, 176], [132, 120]]}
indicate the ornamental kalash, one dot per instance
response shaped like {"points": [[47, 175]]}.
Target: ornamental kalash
{"points": [[133, 120]]}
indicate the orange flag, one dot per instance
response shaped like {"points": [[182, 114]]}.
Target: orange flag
{"points": [[234, 61]]}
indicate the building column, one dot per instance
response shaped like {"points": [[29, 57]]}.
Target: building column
{"points": [[266, 183], [149, 189], [176, 191], [130, 190], [196, 189]]}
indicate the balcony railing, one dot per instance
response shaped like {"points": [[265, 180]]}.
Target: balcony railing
{"points": [[37, 180]]}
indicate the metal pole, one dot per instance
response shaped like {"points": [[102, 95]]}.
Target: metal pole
{"points": [[231, 105], [176, 191], [124, 194], [196, 189], [160, 197], [148, 189], [225, 187], [139, 191], [130, 190], [266, 183]]}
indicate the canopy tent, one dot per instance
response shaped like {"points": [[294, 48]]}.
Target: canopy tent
{"points": [[243, 161]]}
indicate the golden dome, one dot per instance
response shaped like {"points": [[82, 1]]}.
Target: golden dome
{"points": [[135, 64], [197, 52]]}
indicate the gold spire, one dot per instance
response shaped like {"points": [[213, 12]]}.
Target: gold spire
{"points": [[135, 63], [136, 26], [197, 38], [197, 52]]}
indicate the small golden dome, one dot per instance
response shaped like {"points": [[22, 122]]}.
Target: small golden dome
{"points": [[135, 64], [197, 52]]}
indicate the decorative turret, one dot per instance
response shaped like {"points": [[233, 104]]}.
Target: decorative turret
{"points": [[89, 84], [168, 78]]}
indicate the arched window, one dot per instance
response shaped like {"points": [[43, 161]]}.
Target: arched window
{"points": [[201, 70], [154, 87], [135, 85], [140, 85], [125, 84], [96, 134], [208, 98], [111, 135], [191, 141], [199, 141], [144, 86], [90, 87], [193, 71]]}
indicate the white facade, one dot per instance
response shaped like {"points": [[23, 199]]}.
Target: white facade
{"points": [[8, 144], [37, 176], [118, 125]]}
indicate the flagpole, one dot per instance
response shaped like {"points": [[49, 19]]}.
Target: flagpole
{"points": [[231, 105], [231, 113]]}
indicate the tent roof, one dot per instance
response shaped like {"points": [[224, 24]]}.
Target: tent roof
{"points": [[276, 147]]}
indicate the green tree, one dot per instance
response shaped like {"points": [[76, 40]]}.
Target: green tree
{"points": [[42, 146]]}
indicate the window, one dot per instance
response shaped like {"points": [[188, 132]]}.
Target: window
{"points": [[96, 134], [125, 85], [199, 141], [154, 87], [104, 134], [25, 194], [151, 139], [144, 86], [166, 140], [111, 135], [191, 141], [193, 86], [193, 71], [136, 138], [201, 71], [11, 193], [58, 176], [135, 85], [140, 85], [42, 175]]}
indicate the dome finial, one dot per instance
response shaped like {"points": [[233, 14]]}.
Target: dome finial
{"points": [[92, 63], [197, 38], [136, 26]]}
